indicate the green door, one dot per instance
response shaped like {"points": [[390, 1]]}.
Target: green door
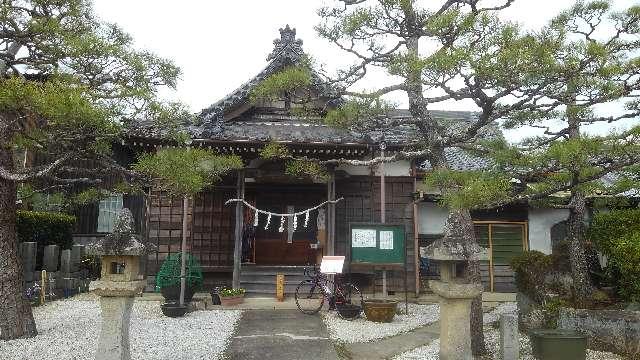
{"points": [[504, 242]]}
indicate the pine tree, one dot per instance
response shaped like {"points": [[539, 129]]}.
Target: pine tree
{"points": [[596, 67], [69, 84]]}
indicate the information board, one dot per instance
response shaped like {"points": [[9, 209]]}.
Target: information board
{"points": [[377, 244]]}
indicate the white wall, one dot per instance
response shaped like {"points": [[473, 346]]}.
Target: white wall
{"points": [[398, 168], [431, 218], [354, 170], [540, 223]]}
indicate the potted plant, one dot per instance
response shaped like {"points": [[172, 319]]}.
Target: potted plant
{"points": [[168, 278], [229, 296]]}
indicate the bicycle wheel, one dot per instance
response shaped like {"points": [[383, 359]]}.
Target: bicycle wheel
{"points": [[309, 296], [348, 293]]}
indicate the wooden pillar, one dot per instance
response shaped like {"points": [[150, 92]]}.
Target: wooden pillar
{"points": [[383, 207], [416, 229], [237, 248], [331, 214], [383, 212]]}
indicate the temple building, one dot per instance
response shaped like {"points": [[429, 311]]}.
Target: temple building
{"points": [[237, 125]]}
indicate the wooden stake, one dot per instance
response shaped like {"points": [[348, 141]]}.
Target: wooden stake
{"points": [[183, 249]]}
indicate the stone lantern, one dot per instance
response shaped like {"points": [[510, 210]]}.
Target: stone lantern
{"points": [[456, 294], [120, 280]]}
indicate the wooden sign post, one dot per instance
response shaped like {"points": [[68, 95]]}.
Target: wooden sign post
{"points": [[280, 287]]}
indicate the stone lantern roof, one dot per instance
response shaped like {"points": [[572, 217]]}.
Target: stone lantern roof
{"points": [[456, 251], [122, 241]]}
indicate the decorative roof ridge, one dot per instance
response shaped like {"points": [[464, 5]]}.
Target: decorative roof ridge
{"points": [[287, 50], [287, 46]]}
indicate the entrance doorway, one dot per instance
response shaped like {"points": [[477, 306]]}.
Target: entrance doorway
{"points": [[289, 247]]}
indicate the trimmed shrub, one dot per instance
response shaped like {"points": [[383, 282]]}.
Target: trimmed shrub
{"points": [[44, 228], [169, 274], [607, 227], [530, 269], [625, 255], [617, 235]]}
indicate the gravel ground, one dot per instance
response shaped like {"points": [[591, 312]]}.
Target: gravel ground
{"points": [[361, 330], [69, 329], [492, 340]]}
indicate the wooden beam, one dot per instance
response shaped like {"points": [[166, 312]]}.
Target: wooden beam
{"points": [[237, 248]]}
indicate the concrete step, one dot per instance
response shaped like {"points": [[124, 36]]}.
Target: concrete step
{"points": [[252, 287], [271, 278], [261, 279], [273, 272], [270, 292], [270, 273]]}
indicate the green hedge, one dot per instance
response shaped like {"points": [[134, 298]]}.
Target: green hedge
{"points": [[45, 228], [607, 227], [616, 234]]}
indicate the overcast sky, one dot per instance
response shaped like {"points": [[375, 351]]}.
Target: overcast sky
{"points": [[221, 44]]}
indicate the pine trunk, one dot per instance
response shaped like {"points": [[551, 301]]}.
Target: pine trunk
{"points": [[16, 318], [460, 222], [577, 257]]}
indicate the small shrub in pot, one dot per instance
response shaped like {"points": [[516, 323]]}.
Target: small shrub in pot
{"points": [[168, 278]]}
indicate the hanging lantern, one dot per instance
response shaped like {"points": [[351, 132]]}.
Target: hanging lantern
{"points": [[255, 218], [268, 222], [295, 222], [281, 224]]}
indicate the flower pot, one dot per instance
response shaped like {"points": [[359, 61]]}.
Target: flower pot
{"points": [[557, 344], [173, 309], [231, 300], [172, 293], [348, 311], [380, 310]]}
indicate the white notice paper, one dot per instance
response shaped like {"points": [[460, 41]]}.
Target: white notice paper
{"points": [[386, 240], [363, 238], [332, 264]]}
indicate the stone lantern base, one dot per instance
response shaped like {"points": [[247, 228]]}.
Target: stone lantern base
{"points": [[455, 316], [116, 302]]}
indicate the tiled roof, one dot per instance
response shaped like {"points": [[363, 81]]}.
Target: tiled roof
{"points": [[262, 127], [459, 159]]}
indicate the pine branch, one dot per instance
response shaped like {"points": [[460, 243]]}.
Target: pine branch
{"points": [[36, 172]]}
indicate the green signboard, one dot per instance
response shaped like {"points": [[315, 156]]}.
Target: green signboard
{"points": [[377, 244]]}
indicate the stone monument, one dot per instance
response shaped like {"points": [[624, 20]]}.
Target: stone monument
{"points": [[120, 280], [452, 254], [509, 337]]}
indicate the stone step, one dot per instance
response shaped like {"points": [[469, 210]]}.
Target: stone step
{"points": [[270, 278], [267, 287]]}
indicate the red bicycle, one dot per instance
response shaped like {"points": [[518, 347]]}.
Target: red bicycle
{"points": [[311, 293]]}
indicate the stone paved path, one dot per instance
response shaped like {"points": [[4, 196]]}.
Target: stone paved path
{"points": [[281, 334], [391, 346]]}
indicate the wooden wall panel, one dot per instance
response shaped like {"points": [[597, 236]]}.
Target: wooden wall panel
{"points": [[210, 229], [362, 204]]}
